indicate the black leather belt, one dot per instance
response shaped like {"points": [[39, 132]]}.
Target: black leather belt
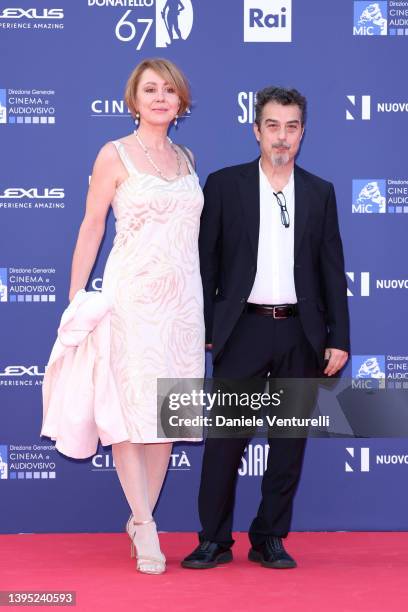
{"points": [[277, 312]]}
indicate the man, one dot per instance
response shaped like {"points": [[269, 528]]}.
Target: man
{"points": [[275, 305]]}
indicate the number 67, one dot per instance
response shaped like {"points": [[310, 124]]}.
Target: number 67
{"points": [[125, 23]]}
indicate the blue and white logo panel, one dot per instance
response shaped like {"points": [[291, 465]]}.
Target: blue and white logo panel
{"points": [[370, 367], [22, 462], [3, 285], [370, 18], [174, 21], [3, 106], [27, 106], [3, 462], [268, 21], [369, 196], [386, 18], [29, 285], [377, 195]]}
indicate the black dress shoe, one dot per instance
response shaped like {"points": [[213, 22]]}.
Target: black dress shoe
{"points": [[207, 555], [272, 554]]}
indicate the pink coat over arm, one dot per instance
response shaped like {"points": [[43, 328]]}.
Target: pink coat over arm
{"points": [[80, 399]]}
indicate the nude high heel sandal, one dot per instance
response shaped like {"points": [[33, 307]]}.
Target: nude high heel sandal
{"points": [[144, 563]]}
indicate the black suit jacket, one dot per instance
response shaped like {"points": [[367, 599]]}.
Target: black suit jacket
{"points": [[229, 247]]}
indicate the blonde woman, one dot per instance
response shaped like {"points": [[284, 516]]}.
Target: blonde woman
{"points": [[152, 277]]}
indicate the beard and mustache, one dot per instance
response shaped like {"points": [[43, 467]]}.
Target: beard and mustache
{"points": [[280, 159]]}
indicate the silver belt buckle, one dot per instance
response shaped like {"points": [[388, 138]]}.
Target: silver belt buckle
{"points": [[275, 316]]}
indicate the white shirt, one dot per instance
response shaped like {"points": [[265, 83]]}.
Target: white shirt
{"points": [[274, 281]]}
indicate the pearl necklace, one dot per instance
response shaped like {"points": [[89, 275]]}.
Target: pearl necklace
{"points": [[159, 172]]}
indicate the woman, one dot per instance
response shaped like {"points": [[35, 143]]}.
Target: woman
{"points": [[152, 277]]}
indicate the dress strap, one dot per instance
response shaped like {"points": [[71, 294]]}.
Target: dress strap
{"points": [[127, 162], [188, 158]]}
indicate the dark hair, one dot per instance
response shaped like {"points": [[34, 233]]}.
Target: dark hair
{"points": [[280, 95]]}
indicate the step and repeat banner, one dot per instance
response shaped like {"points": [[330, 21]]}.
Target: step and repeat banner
{"points": [[64, 64]]}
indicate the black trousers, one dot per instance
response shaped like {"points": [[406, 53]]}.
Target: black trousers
{"points": [[259, 346]]}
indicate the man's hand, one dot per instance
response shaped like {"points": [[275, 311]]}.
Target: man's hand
{"points": [[208, 347], [337, 360]]}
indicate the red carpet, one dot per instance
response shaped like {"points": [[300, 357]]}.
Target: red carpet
{"points": [[346, 572]]}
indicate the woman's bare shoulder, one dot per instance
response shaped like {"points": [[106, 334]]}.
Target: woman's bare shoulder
{"points": [[109, 149]]}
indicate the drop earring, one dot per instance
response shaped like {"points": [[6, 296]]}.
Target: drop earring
{"points": [[175, 120], [137, 119]]}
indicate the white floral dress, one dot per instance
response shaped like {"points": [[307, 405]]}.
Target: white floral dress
{"points": [[152, 276]]}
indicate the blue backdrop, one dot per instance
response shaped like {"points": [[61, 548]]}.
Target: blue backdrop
{"points": [[63, 70]]}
